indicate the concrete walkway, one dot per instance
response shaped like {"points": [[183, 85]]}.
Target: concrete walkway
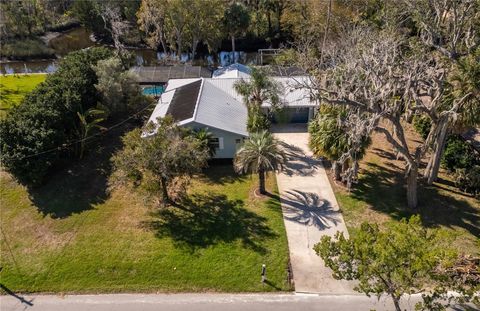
{"points": [[310, 211]]}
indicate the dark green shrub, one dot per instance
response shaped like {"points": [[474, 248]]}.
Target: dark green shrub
{"points": [[468, 180], [459, 154], [35, 134], [422, 125]]}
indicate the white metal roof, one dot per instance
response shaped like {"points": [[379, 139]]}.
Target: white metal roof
{"points": [[217, 108], [220, 106], [233, 71], [294, 90]]}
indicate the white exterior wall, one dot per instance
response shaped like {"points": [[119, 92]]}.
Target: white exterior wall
{"points": [[230, 145]]}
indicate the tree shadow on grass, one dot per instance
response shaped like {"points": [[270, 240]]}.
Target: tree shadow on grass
{"points": [[384, 190], [204, 220], [78, 186], [221, 173]]}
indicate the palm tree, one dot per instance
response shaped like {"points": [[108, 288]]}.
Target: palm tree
{"points": [[89, 121], [259, 89], [328, 138], [260, 154], [205, 137]]}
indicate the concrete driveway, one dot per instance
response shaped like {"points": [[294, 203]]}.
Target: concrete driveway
{"points": [[310, 211]]}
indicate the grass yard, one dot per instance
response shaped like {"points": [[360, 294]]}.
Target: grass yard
{"points": [[380, 196], [14, 87], [71, 236]]}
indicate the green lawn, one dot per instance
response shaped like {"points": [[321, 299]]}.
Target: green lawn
{"points": [[380, 196], [71, 236], [14, 87]]}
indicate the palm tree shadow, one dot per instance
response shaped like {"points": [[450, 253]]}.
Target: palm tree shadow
{"points": [[204, 220], [307, 208], [298, 163], [15, 295]]}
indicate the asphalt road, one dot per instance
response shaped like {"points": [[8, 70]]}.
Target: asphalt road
{"points": [[199, 302]]}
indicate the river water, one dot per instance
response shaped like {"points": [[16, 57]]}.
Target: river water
{"points": [[79, 38], [73, 40]]}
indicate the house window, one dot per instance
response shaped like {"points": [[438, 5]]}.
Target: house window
{"points": [[238, 140], [216, 142]]}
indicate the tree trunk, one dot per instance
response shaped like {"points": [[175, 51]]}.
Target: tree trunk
{"points": [[179, 47], [325, 31], [194, 48], [233, 49], [431, 172], [261, 179], [396, 302], [412, 185], [163, 184], [337, 169], [82, 148], [279, 15], [344, 166], [164, 45], [269, 23]]}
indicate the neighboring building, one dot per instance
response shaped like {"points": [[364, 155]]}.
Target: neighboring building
{"points": [[213, 103], [155, 75]]}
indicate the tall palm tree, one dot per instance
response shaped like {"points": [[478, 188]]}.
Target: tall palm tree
{"points": [[255, 91], [260, 154]]}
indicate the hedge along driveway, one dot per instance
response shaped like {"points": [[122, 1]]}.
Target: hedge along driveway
{"points": [[70, 237]]}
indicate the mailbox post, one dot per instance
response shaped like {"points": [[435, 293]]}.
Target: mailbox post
{"points": [[264, 273]]}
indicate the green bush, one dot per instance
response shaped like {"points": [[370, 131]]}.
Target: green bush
{"points": [[459, 154], [468, 180], [422, 125], [22, 49], [36, 134]]}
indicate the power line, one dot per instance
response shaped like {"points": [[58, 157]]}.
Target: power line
{"points": [[63, 146], [9, 249]]}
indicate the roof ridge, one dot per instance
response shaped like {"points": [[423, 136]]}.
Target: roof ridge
{"points": [[225, 92]]}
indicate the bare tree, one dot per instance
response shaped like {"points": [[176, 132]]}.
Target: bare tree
{"points": [[367, 71], [451, 27], [114, 23]]}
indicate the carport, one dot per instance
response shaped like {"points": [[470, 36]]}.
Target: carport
{"points": [[293, 115]]}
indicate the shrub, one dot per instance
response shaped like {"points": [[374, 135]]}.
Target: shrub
{"points": [[118, 87], [459, 154], [469, 180], [36, 134], [162, 163], [422, 125]]}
